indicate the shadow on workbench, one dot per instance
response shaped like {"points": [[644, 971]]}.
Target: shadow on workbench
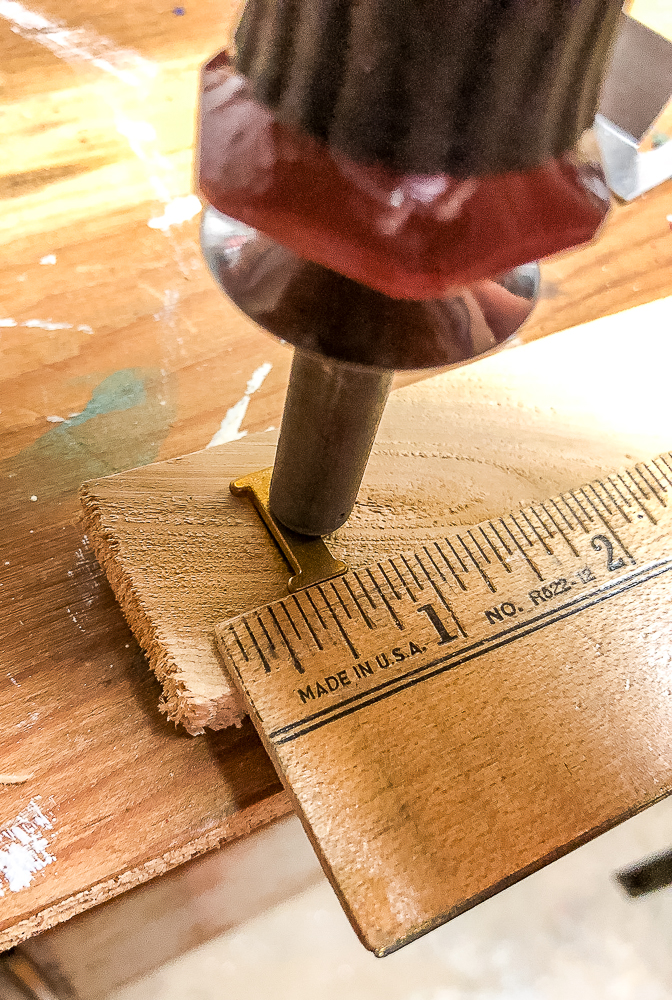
{"points": [[257, 919]]}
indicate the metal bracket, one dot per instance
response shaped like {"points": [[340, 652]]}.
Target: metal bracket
{"points": [[306, 554]]}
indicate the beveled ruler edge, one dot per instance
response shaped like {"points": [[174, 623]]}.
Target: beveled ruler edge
{"points": [[630, 495]]}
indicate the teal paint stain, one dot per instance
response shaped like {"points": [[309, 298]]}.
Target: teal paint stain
{"points": [[122, 426], [121, 391]]}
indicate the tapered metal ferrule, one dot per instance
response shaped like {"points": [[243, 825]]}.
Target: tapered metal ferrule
{"points": [[331, 416]]}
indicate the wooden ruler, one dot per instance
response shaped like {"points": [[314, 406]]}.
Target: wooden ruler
{"points": [[449, 720]]}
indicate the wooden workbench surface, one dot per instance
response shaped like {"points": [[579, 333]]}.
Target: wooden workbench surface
{"points": [[117, 350]]}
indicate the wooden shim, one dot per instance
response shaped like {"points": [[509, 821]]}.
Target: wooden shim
{"points": [[182, 554]]}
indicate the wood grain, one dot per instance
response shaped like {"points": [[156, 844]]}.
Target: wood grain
{"points": [[165, 360]]}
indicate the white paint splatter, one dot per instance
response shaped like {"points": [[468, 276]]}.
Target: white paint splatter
{"points": [[78, 44], [23, 848], [73, 618], [49, 258], [44, 324], [230, 427], [56, 420], [257, 379], [33, 498], [177, 211]]}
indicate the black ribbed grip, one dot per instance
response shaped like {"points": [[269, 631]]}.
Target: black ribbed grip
{"points": [[463, 87]]}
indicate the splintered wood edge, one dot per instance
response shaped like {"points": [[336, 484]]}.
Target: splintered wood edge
{"points": [[238, 825], [179, 704]]}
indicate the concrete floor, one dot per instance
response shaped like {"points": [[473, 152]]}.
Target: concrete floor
{"points": [[567, 933]]}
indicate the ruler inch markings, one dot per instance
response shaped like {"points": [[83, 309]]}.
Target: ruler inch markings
{"points": [[465, 569], [612, 531], [574, 494], [232, 629], [403, 582], [458, 579], [267, 666], [332, 584], [364, 590], [408, 566], [478, 546], [312, 631], [265, 631], [298, 666], [549, 532], [393, 614], [346, 583], [486, 579], [339, 624], [494, 548], [290, 619], [638, 485], [614, 480], [315, 609], [611, 511], [532, 528], [663, 459], [388, 581], [439, 593], [521, 530], [433, 562], [624, 514], [645, 510], [535, 569], [579, 520], [665, 483], [653, 486], [561, 514], [503, 542]]}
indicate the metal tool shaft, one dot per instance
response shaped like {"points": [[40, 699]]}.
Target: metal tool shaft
{"points": [[331, 416]]}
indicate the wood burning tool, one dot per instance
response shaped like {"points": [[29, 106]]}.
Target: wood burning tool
{"points": [[381, 178]]}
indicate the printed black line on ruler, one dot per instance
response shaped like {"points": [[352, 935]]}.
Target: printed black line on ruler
{"points": [[636, 488], [664, 484], [621, 510], [494, 548], [339, 625], [535, 569], [652, 486], [292, 652], [393, 613], [532, 528], [365, 617], [458, 579], [403, 582], [486, 579], [307, 621]]}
